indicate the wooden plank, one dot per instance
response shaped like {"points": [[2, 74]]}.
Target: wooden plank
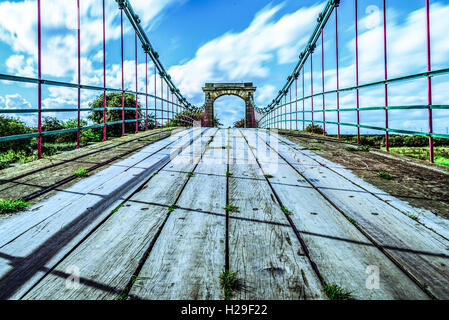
{"points": [[110, 256], [421, 252], [189, 255], [263, 248], [16, 224], [107, 260], [47, 242], [340, 251]]}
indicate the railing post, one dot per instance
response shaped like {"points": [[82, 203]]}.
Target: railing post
{"points": [[39, 85], [162, 100], [155, 97], [303, 96], [123, 74], [137, 88], [311, 85], [429, 84], [322, 78], [357, 70], [291, 116], [78, 133], [146, 91], [338, 73], [104, 74], [296, 101], [387, 144]]}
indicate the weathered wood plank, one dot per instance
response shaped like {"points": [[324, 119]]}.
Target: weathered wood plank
{"points": [[189, 255], [340, 251], [421, 252], [263, 248]]}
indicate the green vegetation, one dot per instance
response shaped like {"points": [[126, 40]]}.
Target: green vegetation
{"points": [[422, 153], [190, 174], [239, 124], [352, 221], [286, 211], [229, 174], [82, 173], [117, 208], [10, 206], [335, 292], [231, 208], [172, 208], [412, 216], [228, 282], [359, 149], [314, 149], [384, 175], [314, 129], [268, 176]]}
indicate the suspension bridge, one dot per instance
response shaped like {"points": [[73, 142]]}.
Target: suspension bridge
{"points": [[176, 208]]}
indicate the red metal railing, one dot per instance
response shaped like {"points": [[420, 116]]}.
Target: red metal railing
{"points": [[181, 103], [274, 115]]}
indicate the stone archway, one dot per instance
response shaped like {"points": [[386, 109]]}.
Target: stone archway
{"points": [[213, 91]]}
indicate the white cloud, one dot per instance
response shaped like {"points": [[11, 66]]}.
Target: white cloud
{"points": [[245, 55]]}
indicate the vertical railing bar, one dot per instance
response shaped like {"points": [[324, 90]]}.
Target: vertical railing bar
{"points": [[162, 100], [303, 101], [296, 102], [338, 72], [357, 70], [322, 77], [429, 83], [311, 85], [146, 91], [387, 144], [155, 99], [123, 74], [291, 116], [137, 89], [39, 85], [104, 73], [78, 133]]}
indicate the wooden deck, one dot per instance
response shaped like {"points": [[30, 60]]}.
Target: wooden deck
{"points": [[166, 222]]}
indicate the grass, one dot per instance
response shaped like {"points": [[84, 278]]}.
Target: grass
{"points": [[384, 175], [352, 221], [81, 173], [228, 281], [422, 153], [286, 211], [117, 208], [172, 208], [10, 206], [335, 292], [231, 208], [358, 149], [314, 149], [228, 174], [412, 216], [268, 176], [190, 174]]}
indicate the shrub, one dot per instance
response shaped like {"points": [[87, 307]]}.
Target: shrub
{"points": [[313, 128], [240, 124], [114, 100], [12, 127]]}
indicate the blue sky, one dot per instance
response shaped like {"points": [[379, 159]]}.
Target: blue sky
{"points": [[225, 41]]}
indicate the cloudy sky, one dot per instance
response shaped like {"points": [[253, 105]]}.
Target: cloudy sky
{"points": [[227, 41]]}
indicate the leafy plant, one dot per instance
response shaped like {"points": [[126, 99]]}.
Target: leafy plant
{"points": [[286, 211], [9, 206], [384, 175], [229, 174], [231, 208], [335, 292], [268, 176], [228, 282], [82, 173]]}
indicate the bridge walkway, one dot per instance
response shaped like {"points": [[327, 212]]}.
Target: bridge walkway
{"points": [[204, 201]]}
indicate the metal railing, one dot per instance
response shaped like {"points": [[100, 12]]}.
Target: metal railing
{"points": [[280, 112], [174, 101]]}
